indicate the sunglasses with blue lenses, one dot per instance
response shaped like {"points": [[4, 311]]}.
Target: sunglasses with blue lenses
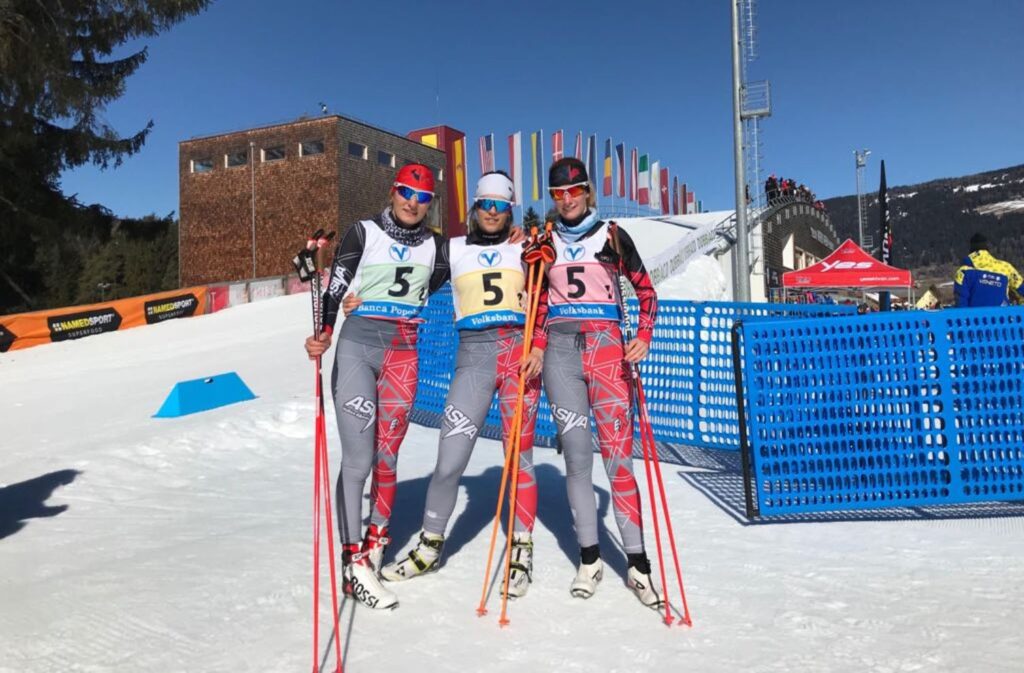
{"points": [[497, 205], [408, 192]]}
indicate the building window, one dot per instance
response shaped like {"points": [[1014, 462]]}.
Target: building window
{"points": [[310, 147], [356, 150], [202, 165], [275, 153], [385, 158], [232, 159]]}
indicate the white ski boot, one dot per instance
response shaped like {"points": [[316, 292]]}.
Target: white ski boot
{"points": [[425, 557], [521, 567], [642, 584], [361, 582], [374, 545], [587, 578]]}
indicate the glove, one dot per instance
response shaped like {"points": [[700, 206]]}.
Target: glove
{"points": [[305, 264], [608, 255], [539, 250]]}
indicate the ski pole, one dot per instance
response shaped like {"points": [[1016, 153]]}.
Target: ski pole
{"points": [[532, 306], [481, 609], [646, 425], [532, 287], [308, 266], [325, 481], [649, 450]]}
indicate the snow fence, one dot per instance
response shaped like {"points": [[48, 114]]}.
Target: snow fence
{"points": [[688, 375], [895, 409]]}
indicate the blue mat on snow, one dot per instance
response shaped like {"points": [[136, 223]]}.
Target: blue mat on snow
{"points": [[190, 397]]}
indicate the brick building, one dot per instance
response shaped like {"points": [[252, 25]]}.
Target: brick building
{"points": [[277, 184], [795, 237]]}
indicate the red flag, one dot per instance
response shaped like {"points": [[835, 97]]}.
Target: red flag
{"points": [[556, 146], [675, 195], [663, 186], [579, 144]]}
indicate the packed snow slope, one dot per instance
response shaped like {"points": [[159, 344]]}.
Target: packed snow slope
{"points": [[129, 543]]}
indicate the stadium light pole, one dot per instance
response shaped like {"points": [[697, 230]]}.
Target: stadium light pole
{"points": [[741, 256], [252, 189], [860, 160]]}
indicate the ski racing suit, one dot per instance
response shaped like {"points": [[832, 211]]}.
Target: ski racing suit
{"points": [[489, 292], [584, 372], [393, 270]]}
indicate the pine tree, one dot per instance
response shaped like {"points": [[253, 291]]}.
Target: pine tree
{"points": [[530, 218], [56, 77]]}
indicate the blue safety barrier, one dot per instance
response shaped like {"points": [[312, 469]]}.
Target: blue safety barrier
{"points": [[894, 409], [687, 376]]}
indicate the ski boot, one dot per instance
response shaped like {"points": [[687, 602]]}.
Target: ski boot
{"points": [[640, 582], [425, 557], [587, 578], [361, 581], [521, 567], [374, 544]]}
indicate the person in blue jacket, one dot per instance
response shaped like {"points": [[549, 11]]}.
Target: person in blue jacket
{"points": [[984, 280]]}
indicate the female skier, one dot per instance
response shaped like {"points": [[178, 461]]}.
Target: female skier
{"points": [[586, 370], [393, 262], [489, 297]]}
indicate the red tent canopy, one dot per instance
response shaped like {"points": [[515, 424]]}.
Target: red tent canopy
{"points": [[848, 266]]}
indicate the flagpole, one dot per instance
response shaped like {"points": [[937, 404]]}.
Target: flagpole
{"points": [[884, 247], [543, 188]]}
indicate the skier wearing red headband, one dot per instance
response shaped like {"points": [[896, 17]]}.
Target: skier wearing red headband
{"points": [[393, 262]]}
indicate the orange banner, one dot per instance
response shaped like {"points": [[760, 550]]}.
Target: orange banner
{"points": [[24, 330]]}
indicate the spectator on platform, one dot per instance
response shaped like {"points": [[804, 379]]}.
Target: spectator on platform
{"points": [[984, 280], [771, 189]]}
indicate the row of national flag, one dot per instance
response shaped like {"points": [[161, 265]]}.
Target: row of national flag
{"points": [[649, 183]]}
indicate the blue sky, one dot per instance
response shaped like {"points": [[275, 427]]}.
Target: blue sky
{"points": [[936, 88]]}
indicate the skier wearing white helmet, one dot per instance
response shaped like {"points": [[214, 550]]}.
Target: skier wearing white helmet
{"points": [[489, 294]]}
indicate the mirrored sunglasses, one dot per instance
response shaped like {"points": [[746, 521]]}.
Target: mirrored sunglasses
{"points": [[559, 193], [408, 192], [496, 204]]}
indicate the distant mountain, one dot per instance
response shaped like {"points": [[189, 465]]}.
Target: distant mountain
{"points": [[933, 221]]}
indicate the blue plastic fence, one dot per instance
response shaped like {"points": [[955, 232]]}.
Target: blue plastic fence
{"points": [[887, 410], [687, 376]]}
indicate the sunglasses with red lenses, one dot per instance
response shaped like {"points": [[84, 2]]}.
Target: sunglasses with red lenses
{"points": [[559, 193], [408, 192]]}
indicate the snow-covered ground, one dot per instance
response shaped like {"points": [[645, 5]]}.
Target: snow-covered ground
{"points": [[1000, 208], [129, 543]]}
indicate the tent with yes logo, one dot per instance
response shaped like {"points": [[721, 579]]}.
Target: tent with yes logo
{"points": [[849, 266]]}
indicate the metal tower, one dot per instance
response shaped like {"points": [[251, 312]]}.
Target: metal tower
{"points": [[860, 158]]}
